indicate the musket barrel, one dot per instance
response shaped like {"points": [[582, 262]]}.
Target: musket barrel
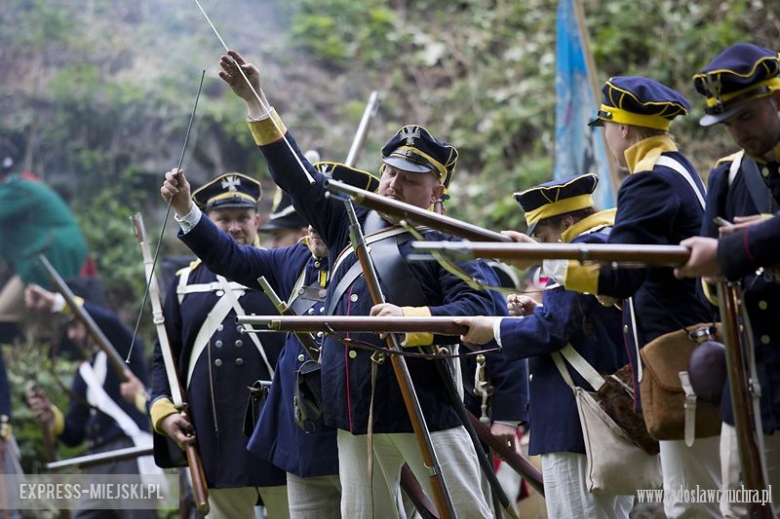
{"points": [[116, 361], [356, 324], [415, 215], [647, 255], [101, 458]]}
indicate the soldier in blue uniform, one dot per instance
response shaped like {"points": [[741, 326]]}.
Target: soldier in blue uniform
{"points": [[661, 202], [101, 412], [416, 169], [740, 250], [742, 90], [299, 274], [285, 226], [217, 364], [562, 210]]}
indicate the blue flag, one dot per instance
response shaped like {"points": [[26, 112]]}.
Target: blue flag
{"points": [[579, 149]]}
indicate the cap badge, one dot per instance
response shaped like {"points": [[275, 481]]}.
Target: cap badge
{"points": [[231, 183], [410, 133]]}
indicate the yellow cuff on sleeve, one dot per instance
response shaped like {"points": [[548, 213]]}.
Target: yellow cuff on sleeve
{"points": [[581, 278], [140, 402], [710, 292], [269, 130], [67, 311], [59, 421], [417, 339], [161, 408]]}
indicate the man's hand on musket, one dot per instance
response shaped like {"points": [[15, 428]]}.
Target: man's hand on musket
{"points": [[506, 434], [133, 390], [703, 261], [519, 237], [179, 428], [248, 91], [743, 222], [520, 305], [480, 329], [38, 299], [39, 405], [386, 310], [176, 190]]}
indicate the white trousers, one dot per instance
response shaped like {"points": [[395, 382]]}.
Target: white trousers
{"points": [[693, 469], [231, 503], [566, 493], [731, 469], [456, 456], [316, 497]]}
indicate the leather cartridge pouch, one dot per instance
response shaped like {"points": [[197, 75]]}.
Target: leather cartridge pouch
{"points": [[665, 401], [616, 397], [307, 402], [258, 394]]}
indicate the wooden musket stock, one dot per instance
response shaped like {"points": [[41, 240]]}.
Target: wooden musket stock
{"points": [[200, 490], [441, 496], [749, 452], [304, 336], [116, 361], [415, 215]]}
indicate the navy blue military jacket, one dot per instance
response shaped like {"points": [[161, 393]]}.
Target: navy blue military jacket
{"points": [[81, 421], [230, 363], [277, 438], [743, 252], [346, 372], [656, 205], [762, 296], [566, 317]]}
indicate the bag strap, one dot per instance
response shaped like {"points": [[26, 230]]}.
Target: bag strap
{"points": [[675, 165], [580, 365], [759, 191]]}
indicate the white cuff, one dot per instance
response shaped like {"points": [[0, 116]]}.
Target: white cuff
{"points": [[497, 332], [189, 220], [59, 303]]}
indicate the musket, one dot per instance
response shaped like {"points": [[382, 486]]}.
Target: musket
{"points": [[352, 323], [738, 338], [508, 454], [613, 254], [101, 458], [413, 214], [307, 340], [362, 131], [199, 487], [116, 361], [441, 496]]}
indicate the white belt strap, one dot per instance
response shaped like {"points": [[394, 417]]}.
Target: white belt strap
{"points": [[240, 312], [183, 278], [580, 365], [207, 329], [690, 408], [679, 168], [97, 397], [734, 168], [207, 287]]}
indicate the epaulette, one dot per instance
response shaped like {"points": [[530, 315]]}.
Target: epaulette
{"points": [[192, 266], [729, 158]]}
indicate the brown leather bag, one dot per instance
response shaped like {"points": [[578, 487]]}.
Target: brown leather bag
{"points": [[663, 397], [616, 397]]}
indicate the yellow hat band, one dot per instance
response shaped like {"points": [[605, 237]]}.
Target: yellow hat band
{"points": [[567, 205], [773, 84], [231, 194], [621, 116], [435, 163]]}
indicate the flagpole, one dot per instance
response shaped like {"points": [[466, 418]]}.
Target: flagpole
{"points": [[579, 11]]}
